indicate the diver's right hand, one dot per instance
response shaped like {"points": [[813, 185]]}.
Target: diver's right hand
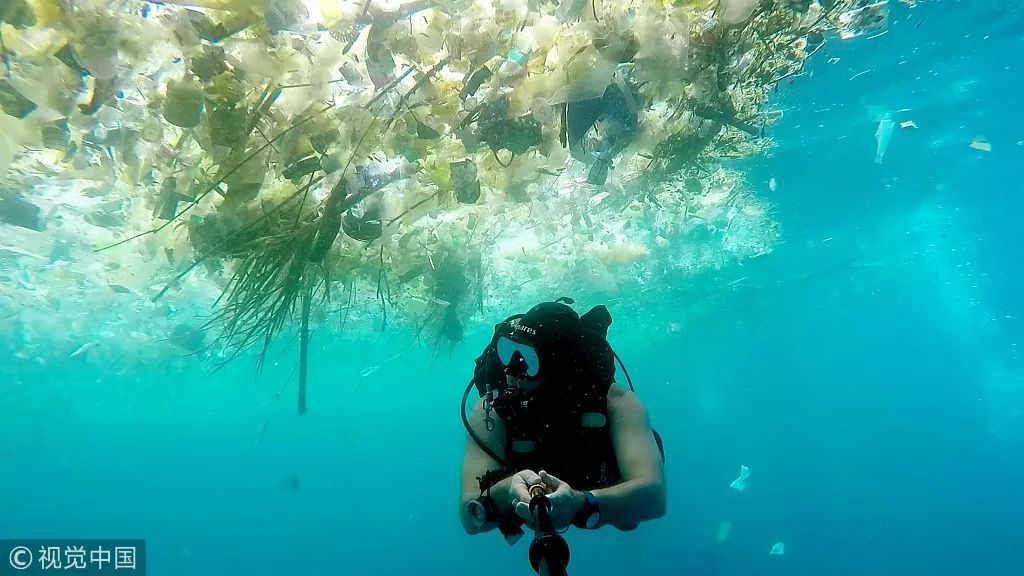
{"points": [[519, 489]]}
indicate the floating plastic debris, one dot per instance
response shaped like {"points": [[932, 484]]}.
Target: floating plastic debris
{"points": [[981, 143], [869, 19], [83, 349], [736, 11], [25, 282], [740, 484], [723, 531], [908, 124], [882, 137], [21, 252], [569, 10], [464, 180], [21, 213], [285, 15], [12, 102], [773, 185], [187, 337], [778, 549], [183, 106], [259, 137]]}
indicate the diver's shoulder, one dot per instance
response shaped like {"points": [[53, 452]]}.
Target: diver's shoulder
{"points": [[624, 403], [617, 394]]}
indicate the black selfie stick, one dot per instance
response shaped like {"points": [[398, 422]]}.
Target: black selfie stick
{"points": [[549, 554]]}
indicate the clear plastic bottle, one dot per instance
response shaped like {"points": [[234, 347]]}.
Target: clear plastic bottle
{"points": [[569, 10], [513, 66]]}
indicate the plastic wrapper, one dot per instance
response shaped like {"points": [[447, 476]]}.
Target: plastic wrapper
{"points": [[736, 11], [183, 106], [740, 483], [865, 18]]}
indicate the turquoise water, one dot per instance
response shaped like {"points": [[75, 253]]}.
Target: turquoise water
{"points": [[867, 372]]}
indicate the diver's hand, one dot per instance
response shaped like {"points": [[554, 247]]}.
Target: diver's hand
{"points": [[566, 503], [519, 488]]}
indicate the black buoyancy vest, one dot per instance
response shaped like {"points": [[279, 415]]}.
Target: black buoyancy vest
{"points": [[574, 446]]}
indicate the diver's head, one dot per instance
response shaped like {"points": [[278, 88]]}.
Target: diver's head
{"points": [[551, 358], [536, 346]]}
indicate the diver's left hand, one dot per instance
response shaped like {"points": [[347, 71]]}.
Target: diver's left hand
{"points": [[566, 503]]}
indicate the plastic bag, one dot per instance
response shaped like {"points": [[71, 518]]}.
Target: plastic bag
{"points": [[864, 20], [736, 11], [740, 484]]}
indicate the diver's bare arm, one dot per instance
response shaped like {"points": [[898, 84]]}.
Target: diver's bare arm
{"points": [[641, 495], [475, 463]]}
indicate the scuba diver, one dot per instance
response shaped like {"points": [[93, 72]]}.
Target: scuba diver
{"points": [[551, 420]]}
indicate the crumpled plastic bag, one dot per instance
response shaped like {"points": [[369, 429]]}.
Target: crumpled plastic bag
{"points": [[736, 11], [740, 484], [864, 20]]}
